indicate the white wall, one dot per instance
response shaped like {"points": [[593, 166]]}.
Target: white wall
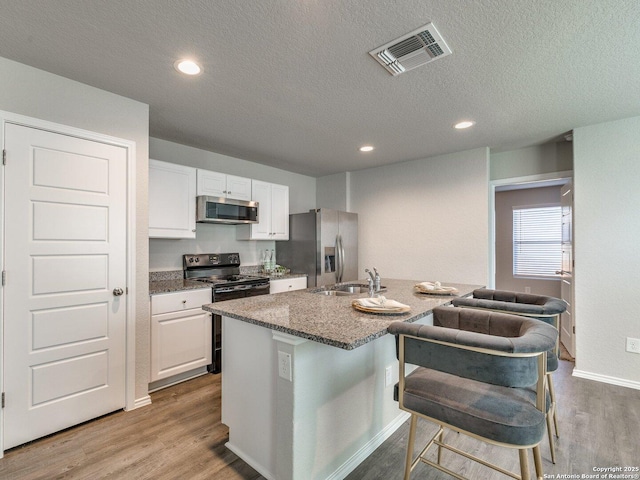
{"points": [[35, 93], [505, 202], [165, 254], [425, 219], [607, 249], [333, 192]]}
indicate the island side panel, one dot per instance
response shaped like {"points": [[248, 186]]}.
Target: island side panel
{"points": [[343, 410], [333, 414], [248, 394]]}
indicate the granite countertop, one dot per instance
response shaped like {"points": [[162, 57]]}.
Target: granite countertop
{"points": [[331, 319], [174, 285], [283, 277], [173, 281]]}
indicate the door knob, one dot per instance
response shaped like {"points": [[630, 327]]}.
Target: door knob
{"points": [[117, 292]]}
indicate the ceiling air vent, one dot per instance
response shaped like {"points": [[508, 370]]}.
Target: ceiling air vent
{"points": [[421, 46]]}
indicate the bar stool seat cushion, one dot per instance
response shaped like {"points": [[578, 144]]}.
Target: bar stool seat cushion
{"points": [[502, 414]]}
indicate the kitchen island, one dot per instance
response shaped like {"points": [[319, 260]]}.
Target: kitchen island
{"points": [[307, 380]]}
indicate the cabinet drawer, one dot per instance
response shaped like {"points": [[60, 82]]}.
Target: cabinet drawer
{"points": [[177, 301], [288, 284]]}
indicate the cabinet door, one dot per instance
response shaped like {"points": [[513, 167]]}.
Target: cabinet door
{"points": [[261, 193], [279, 212], [180, 341], [172, 200], [238, 187], [213, 184]]}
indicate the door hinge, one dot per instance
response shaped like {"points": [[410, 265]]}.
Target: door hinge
{"points": [[4, 157], [574, 329], [4, 277], [2, 399]]}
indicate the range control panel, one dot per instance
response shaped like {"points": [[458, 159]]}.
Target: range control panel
{"points": [[210, 260]]}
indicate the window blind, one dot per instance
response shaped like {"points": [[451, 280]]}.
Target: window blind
{"points": [[537, 241]]}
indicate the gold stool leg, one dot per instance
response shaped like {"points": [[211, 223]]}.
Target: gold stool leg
{"points": [[537, 460], [552, 445], [440, 439], [524, 464], [552, 394], [412, 438]]}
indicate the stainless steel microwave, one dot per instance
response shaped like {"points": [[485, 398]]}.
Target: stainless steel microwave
{"points": [[225, 210]]}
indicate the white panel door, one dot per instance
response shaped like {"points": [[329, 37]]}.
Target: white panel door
{"points": [[261, 193], [65, 254], [280, 212], [567, 319], [212, 184], [238, 187], [172, 200]]}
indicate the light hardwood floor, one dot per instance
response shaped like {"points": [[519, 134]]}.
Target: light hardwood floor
{"points": [[180, 436]]}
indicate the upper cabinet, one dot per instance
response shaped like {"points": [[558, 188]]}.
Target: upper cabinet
{"points": [[273, 213], [172, 205], [216, 184]]}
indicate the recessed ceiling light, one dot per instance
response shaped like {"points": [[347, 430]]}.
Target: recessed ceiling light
{"points": [[465, 124], [366, 148], [188, 67]]}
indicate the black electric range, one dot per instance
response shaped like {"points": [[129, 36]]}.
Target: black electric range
{"points": [[222, 272]]}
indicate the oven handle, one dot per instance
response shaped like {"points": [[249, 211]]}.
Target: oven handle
{"points": [[241, 288]]}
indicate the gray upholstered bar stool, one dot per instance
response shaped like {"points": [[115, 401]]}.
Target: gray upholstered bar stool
{"points": [[540, 307], [478, 373]]}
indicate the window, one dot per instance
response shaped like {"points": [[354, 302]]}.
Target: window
{"points": [[537, 241]]}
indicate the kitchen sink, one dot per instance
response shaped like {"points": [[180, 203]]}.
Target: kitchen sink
{"points": [[345, 289], [332, 293]]}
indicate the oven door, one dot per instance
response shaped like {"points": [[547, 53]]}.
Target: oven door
{"points": [[220, 296]]}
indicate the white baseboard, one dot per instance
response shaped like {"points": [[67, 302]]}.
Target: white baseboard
{"points": [[347, 467], [606, 379], [254, 464], [367, 449], [142, 402]]}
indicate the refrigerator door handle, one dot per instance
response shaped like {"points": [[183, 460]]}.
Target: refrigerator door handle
{"points": [[342, 259], [338, 260]]}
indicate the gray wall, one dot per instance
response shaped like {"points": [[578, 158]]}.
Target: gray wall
{"points": [[607, 251], [166, 254], [425, 219], [547, 158], [333, 192], [38, 94], [505, 201]]}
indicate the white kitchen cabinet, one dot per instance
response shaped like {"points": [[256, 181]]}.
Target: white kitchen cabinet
{"points": [[216, 184], [180, 333], [287, 284], [273, 213], [172, 200]]}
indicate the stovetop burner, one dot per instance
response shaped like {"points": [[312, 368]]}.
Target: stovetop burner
{"points": [[218, 269]]}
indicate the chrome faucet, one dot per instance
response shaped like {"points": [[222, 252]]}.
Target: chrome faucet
{"points": [[374, 281], [377, 280], [370, 274]]}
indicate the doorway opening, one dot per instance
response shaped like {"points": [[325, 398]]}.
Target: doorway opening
{"points": [[517, 194]]}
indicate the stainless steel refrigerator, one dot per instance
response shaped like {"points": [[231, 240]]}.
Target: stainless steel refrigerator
{"points": [[322, 243]]}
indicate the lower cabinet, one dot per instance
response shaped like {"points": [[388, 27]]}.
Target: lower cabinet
{"points": [[180, 333], [287, 284]]}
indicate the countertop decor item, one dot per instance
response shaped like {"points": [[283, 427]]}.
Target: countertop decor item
{"points": [[435, 288], [380, 305]]}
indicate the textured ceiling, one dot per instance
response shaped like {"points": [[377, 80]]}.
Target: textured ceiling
{"points": [[290, 83]]}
